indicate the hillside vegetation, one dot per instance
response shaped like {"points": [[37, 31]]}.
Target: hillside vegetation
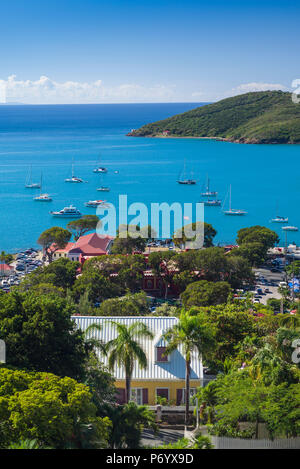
{"points": [[258, 117]]}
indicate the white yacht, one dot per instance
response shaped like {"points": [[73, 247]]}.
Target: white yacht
{"points": [[208, 192], [43, 197], [233, 211], [280, 220], [74, 179], [103, 189], [29, 184], [100, 169], [290, 228], [67, 212], [212, 203], [95, 203]]}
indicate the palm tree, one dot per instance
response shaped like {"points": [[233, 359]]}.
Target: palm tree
{"points": [[193, 334], [125, 349], [92, 342]]}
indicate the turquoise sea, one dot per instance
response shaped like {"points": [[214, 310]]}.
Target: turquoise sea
{"points": [[265, 179]]}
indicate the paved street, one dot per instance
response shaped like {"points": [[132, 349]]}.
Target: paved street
{"points": [[271, 282], [164, 436]]}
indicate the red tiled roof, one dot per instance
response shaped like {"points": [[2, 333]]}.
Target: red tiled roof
{"points": [[5, 267], [65, 249], [91, 245]]}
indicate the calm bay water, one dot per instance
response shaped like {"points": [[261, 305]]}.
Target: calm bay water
{"points": [[263, 177]]}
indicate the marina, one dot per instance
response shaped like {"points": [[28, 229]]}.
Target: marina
{"points": [[145, 169]]}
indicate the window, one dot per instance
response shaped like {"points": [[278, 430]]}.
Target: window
{"points": [[162, 392], [160, 355], [180, 395], [139, 396]]}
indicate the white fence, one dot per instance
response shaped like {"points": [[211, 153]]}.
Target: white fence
{"points": [[239, 443]]}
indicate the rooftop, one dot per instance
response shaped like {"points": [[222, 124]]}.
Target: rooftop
{"points": [[172, 370]]}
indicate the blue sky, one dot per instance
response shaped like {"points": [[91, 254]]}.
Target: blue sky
{"points": [[145, 51]]}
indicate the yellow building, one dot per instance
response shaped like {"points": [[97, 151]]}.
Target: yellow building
{"points": [[164, 375]]}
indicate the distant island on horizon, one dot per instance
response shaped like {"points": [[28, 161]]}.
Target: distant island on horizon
{"points": [[263, 117]]}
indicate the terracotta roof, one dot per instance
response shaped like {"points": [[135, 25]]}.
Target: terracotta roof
{"points": [[5, 267], [65, 249], [91, 245]]}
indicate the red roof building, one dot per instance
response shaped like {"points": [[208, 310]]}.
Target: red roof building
{"points": [[6, 270], [90, 245]]}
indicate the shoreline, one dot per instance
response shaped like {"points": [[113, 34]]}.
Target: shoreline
{"points": [[218, 139]]}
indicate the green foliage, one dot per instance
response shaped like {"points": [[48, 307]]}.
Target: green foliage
{"points": [[46, 408], [187, 233], [127, 241], [129, 305], [125, 349], [97, 285], [100, 382], [61, 273], [163, 266], [83, 225], [258, 117], [6, 258], [192, 333], [38, 331], [199, 442], [128, 422], [211, 264], [124, 271], [166, 310], [204, 293], [53, 239]]}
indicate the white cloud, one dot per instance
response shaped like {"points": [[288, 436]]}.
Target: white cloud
{"points": [[47, 91], [247, 87]]}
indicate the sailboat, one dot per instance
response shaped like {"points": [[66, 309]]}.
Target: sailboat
{"points": [[100, 169], [103, 188], [233, 211], [207, 192], [43, 197], [29, 184], [279, 219], [74, 179], [184, 179]]}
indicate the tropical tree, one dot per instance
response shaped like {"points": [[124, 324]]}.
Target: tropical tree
{"points": [[204, 293], [38, 331], [187, 233], [163, 265], [128, 422], [192, 334], [125, 349], [82, 226], [53, 239]]}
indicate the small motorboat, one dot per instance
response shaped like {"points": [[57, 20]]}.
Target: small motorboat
{"points": [[290, 228], [95, 203]]}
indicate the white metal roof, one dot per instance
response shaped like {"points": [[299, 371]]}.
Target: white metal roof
{"points": [[174, 369]]}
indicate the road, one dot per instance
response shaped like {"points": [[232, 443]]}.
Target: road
{"points": [[272, 280], [165, 436]]}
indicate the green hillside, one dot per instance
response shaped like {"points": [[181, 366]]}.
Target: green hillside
{"points": [[259, 117]]}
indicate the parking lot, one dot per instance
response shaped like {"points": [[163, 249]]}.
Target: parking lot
{"points": [[25, 262], [268, 282]]}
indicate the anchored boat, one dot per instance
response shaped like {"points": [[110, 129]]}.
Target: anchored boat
{"points": [[67, 212], [232, 211]]}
